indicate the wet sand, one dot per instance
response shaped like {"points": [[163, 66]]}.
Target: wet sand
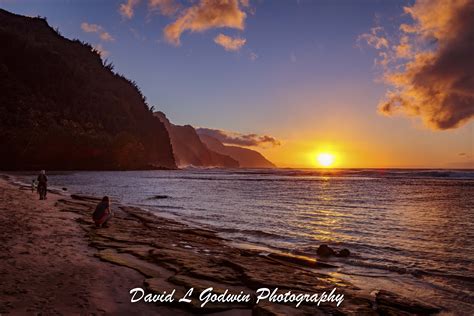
{"points": [[54, 261]]}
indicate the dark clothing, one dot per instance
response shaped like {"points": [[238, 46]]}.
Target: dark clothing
{"points": [[102, 222], [42, 179], [42, 186], [100, 211]]}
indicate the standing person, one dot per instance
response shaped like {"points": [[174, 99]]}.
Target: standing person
{"points": [[33, 185], [102, 213], [42, 185]]}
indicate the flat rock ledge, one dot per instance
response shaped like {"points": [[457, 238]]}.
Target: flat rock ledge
{"points": [[172, 255]]}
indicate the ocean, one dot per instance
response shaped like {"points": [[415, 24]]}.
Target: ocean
{"points": [[408, 231]]}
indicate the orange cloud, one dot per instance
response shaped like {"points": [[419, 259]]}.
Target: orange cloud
{"points": [[430, 70], [204, 15], [403, 48], [165, 7], [375, 38], [230, 44], [95, 28], [127, 9], [245, 3]]}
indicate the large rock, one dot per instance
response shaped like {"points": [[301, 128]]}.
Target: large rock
{"points": [[344, 253], [325, 251], [388, 302]]}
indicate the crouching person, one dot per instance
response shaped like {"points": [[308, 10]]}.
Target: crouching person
{"points": [[102, 213]]}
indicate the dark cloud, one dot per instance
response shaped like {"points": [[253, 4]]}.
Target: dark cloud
{"points": [[232, 138], [430, 69]]}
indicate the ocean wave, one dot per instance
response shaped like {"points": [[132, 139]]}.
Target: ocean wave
{"points": [[271, 175], [172, 207], [257, 233], [415, 272]]}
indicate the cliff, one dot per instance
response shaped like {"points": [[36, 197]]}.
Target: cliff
{"points": [[61, 107], [247, 158], [190, 151]]}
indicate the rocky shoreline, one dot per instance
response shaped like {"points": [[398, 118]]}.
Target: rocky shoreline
{"points": [[169, 255]]}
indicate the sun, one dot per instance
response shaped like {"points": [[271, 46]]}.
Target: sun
{"points": [[325, 159]]}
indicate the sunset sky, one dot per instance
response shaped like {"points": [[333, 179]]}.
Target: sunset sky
{"points": [[313, 76]]}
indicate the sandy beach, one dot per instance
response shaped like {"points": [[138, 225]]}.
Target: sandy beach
{"points": [[54, 261], [49, 268]]}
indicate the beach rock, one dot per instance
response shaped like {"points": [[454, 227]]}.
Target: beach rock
{"points": [[146, 268], [299, 260], [344, 253], [271, 309], [201, 284], [183, 283], [154, 247], [388, 301], [85, 198], [158, 197], [159, 285], [325, 251]]}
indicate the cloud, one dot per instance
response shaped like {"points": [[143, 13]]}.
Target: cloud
{"points": [[430, 67], [233, 138], [101, 50], [136, 34], [94, 28], [245, 3], [127, 9], [403, 49], [230, 44], [253, 56], [374, 38], [204, 15], [165, 7], [199, 16]]}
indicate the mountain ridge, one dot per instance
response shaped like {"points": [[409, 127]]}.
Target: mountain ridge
{"points": [[189, 150], [246, 157]]}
